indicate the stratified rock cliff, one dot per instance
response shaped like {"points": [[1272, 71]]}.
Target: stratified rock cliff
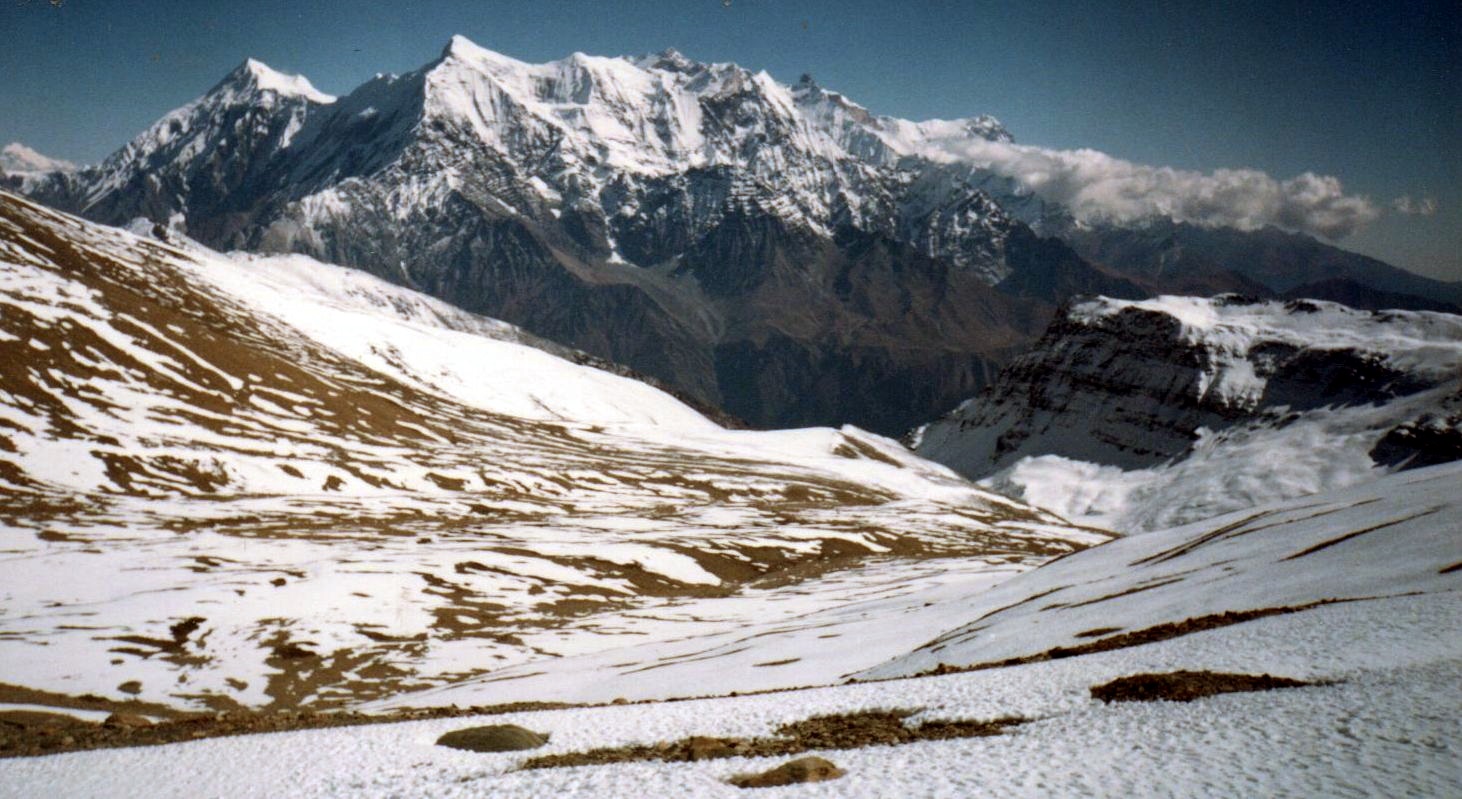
{"points": [[1229, 396]]}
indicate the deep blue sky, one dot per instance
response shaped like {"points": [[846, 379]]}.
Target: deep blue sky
{"points": [[1368, 93]]}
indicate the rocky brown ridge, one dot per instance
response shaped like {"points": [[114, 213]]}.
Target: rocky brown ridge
{"points": [[844, 731], [28, 734], [1186, 686]]}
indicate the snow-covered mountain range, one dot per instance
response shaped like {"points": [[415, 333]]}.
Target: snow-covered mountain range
{"points": [[777, 251], [257, 481], [1139, 415]]}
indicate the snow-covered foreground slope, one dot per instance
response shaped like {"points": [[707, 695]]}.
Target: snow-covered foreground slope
{"points": [[1143, 415], [270, 482], [1398, 535], [1384, 723], [1395, 536], [814, 633]]}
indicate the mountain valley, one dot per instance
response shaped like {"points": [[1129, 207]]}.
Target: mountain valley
{"points": [[623, 426]]}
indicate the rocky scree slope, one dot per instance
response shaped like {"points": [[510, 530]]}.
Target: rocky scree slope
{"points": [[270, 482]]}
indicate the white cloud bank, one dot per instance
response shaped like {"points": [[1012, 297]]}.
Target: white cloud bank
{"points": [[1098, 187], [1426, 206]]}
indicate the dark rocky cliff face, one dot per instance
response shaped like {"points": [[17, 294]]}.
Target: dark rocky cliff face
{"points": [[1119, 392], [1133, 386], [1432, 437]]}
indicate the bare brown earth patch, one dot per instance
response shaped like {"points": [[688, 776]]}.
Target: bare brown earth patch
{"points": [[1188, 546], [20, 695], [493, 738], [852, 448], [803, 769], [1136, 589], [845, 731], [1186, 686], [27, 735], [1098, 632], [1149, 635], [1342, 539], [38, 719]]}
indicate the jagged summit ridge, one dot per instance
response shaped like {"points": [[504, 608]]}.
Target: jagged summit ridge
{"points": [[265, 78], [614, 115], [569, 127], [644, 79]]}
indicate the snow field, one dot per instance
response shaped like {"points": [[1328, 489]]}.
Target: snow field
{"points": [[1395, 535], [1390, 726]]}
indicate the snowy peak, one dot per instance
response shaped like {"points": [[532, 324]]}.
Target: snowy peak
{"points": [[670, 60], [883, 140], [255, 75], [665, 112], [717, 173], [203, 155], [461, 47], [593, 117], [563, 129], [16, 157], [647, 84]]}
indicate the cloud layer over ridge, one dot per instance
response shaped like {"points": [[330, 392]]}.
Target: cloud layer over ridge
{"points": [[1100, 188]]}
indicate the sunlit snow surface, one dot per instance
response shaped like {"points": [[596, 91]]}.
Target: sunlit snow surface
{"points": [[358, 491], [289, 85], [1389, 723], [1236, 468]]}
